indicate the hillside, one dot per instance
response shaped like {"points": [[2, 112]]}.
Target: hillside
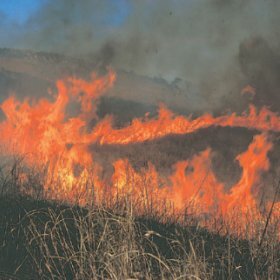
{"points": [[46, 240]]}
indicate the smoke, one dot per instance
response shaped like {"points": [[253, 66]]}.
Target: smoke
{"points": [[261, 65], [203, 43]]}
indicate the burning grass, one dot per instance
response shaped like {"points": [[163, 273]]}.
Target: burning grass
{"points": [[132, 224], [43, 239]]}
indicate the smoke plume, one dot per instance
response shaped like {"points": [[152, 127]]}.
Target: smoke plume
{"points": [[213, 48]]}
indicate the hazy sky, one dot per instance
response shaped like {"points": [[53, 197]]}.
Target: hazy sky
{"points": [[198, 41], [19, 11]]}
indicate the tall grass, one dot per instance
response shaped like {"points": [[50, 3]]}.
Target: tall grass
{"points": [[50, 240]]}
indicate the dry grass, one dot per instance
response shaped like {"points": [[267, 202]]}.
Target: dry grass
{"points": [[48, 240]]}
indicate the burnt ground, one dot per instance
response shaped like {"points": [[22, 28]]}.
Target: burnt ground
{"points": [[226, 144]]}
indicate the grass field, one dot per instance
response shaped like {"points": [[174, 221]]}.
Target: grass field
{"points": [[50, 239], [41, 239]]}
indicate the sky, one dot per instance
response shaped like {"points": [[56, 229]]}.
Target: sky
{"points": [[19, 10], [200, 43]]}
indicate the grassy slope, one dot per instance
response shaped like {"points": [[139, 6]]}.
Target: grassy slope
{"points": [[44, 240]]}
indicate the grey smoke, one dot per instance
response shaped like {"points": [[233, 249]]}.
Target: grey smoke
{"points": [[202, 43], [261, 65]]}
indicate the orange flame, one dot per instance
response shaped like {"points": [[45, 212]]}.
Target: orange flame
{"points": [[48, 137], [167, 123], [249, 90], [41, 132]]}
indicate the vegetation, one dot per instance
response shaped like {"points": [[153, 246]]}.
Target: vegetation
{"points": [[42, 239]]}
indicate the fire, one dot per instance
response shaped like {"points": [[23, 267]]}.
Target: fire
{"points": [[253, 162], [43, 134], [167, 123], [50, 138], [249, 90], [195, 185]]}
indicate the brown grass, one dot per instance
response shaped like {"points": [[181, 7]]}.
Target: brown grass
{"points": [[55, 241]]}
